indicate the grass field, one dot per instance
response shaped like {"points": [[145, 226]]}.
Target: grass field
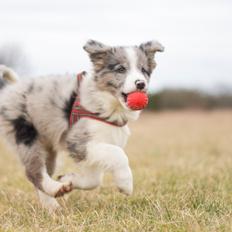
{"points": [[182, 166]]}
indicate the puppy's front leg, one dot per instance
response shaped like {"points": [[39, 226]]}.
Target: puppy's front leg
{"points": [[112, 158], [87, 178], [103, 156]]}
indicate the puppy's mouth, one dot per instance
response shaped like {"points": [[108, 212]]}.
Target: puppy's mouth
{"points": [[124, 96]]}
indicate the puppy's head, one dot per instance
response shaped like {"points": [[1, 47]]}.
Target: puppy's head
{"points": [[122, 70]]}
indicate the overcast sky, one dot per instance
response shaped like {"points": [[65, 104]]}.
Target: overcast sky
{"points": [[197, 35]]}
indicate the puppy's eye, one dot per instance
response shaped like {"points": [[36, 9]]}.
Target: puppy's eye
{"points": [[144, 71], [120, 69]]}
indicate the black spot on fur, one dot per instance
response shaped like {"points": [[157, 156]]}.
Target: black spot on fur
{"points": [[68, 105], [25, 132]]}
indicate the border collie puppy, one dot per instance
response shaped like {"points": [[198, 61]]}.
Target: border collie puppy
{"points": [[86, 116]]}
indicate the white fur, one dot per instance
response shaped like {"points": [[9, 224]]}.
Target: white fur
{"points": [[134, 74], [49, 185], [87, 177]]}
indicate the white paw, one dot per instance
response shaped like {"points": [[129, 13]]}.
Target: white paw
{"points": [[126, 187], [55, 188], [124, 181]]}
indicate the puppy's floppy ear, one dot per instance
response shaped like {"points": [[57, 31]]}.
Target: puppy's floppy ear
{"points": [[150, 48], [97, 53], [93, 47]]}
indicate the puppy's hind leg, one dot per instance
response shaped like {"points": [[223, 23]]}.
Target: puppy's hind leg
{"points": [[47, 201], [34, 160]]}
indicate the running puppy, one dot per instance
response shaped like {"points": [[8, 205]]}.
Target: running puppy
{"points": [[86, 117]]}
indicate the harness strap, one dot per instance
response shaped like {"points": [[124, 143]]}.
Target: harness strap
{"points": [[79, 112]]}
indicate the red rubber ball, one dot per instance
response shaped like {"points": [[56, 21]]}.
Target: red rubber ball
{"points": [[137, 100]]}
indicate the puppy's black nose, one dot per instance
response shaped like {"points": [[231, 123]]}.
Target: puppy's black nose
{"points": [[140, 85]]}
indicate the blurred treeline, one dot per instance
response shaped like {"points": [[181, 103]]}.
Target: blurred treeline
{"points": [[178, 99]]}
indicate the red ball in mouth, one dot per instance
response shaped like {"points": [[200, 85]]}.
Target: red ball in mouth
{"points": [[137, 100]]}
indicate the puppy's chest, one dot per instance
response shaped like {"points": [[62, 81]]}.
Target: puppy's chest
{"points": [[101, 132]]}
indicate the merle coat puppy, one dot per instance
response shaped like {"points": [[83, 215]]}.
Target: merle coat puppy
{"points": [[34, 119]]}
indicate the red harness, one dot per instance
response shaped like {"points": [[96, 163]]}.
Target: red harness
{"points": [[79, 112]]}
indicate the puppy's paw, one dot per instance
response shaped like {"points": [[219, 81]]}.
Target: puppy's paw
{"points": [[126, 187], [65, 188], [124, 180]]}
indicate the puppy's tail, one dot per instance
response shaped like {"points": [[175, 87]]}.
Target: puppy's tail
{"points": [[7, 76]]}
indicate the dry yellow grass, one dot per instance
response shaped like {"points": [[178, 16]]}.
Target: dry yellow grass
{"points": [[182, 165]]}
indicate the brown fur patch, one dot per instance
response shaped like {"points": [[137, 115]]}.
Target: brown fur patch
{"points": [[33, 170], [144, 62], [107, 78], [77, 140], [51, 161]]}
